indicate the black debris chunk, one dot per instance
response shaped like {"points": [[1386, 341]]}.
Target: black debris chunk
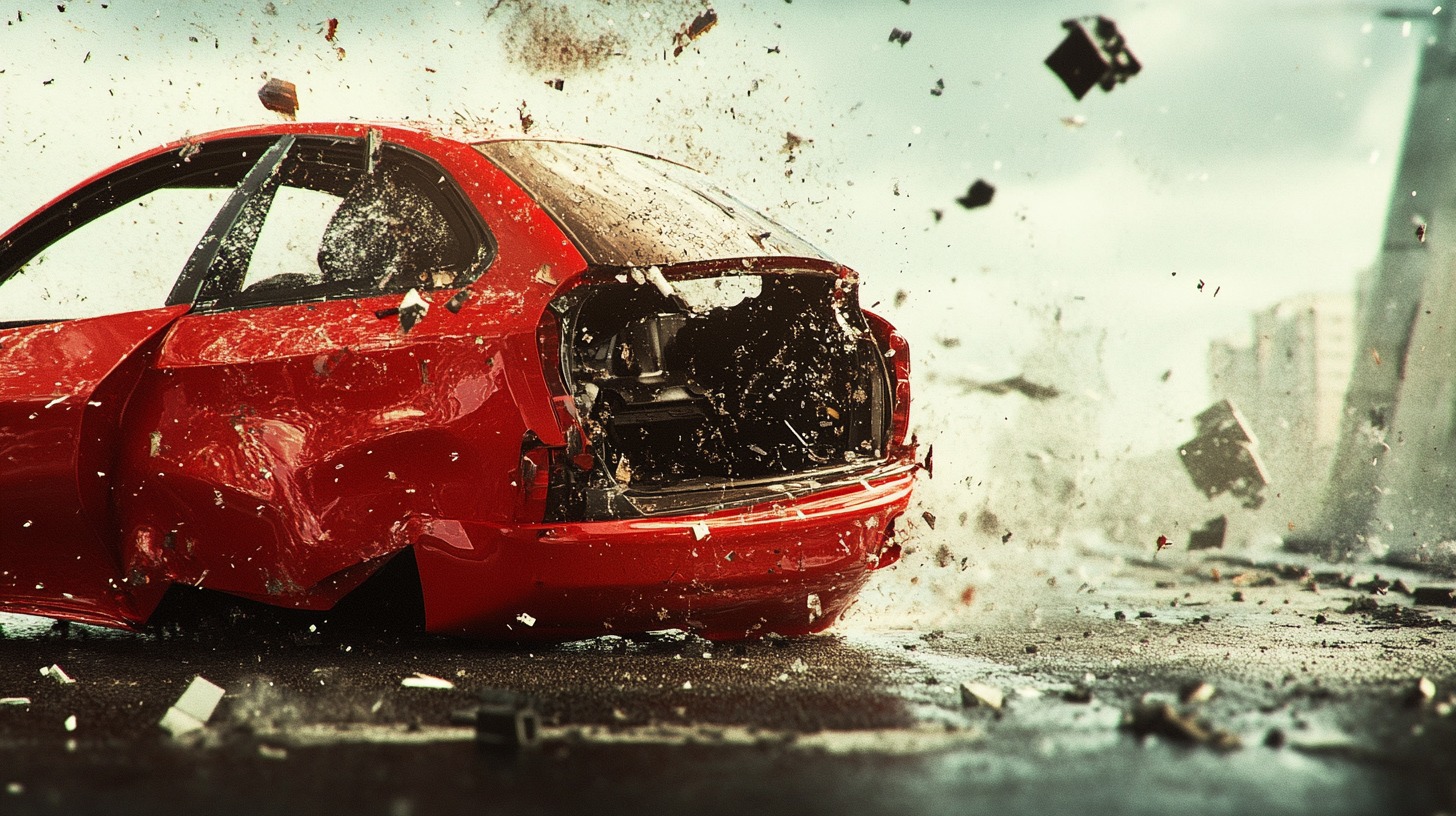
{"points": [[939, 88], [901, 37], [1223, 457], [1210, 535], [1093, 53], [979, 195], [556, 84], [456, 303], [1162, 720], [700, 25], [280, 96], [505, 719], [1435, 596], [929, 519], [1019, 385]]}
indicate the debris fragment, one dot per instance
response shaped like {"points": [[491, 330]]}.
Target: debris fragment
{"points": [[974, 695], [267, 751], [1223, 457], [1162, 543], [1434, 596], [57, 674], [929, 519], [1210, 535], [506, 720], [279, 96], [331, 29], [700, 25], [1196, 692], [14, 701], [412, 309], [456, 303], [979, 195], [701, 532], [1424, 692], [901, 37], [70, 723], [1163, 720], [1420, 224], [526, 619], [527, 121], [543, 275], [193, 709], [556, 84], [426, 681], [939, 88], [1095, 56], [1075, 121]]}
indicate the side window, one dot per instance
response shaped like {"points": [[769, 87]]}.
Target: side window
{"points": [[125, 260], [332, 226]]}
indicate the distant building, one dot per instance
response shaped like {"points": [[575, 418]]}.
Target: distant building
{"points": [[1290, 381]]}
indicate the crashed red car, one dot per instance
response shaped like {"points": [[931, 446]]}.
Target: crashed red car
{"points": [[575, 389]]}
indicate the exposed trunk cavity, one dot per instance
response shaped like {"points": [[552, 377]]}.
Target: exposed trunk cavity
{"points": [[719, 383]]}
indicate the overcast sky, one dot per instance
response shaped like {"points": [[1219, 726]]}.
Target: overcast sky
{"points": [[1254, 152]]}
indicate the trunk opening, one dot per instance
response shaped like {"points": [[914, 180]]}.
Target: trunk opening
{"points": [[714, 382]]}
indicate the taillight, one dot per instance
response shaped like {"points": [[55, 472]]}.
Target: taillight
{"points": [[897, 352]]}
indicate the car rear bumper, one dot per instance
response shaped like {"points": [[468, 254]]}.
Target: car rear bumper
{"points": [[787, 566]]}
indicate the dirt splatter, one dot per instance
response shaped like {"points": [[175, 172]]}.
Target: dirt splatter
{"points": [[563, 39]]}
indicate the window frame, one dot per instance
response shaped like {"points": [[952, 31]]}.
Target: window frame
{"points": [[220, 289]]}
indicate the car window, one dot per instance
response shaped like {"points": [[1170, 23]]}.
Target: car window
{"points": [[123, 261], [335, 224]]}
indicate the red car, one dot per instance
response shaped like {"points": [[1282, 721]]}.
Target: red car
{"points": [[576, 390]]}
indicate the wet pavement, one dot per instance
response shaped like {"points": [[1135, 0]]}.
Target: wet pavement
{"points": [[1322, 702]]}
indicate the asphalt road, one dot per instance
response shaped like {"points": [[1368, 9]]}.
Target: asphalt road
{"points": [[1314, 709]]}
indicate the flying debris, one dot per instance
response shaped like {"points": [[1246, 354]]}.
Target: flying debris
{"points": [[279, 96], [1210, 535], [1095, 56], [1223, 457], [979, 195], [901, 37], [700, 25]]}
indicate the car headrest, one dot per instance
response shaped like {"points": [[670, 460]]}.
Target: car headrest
{"points": [[386, 231]]}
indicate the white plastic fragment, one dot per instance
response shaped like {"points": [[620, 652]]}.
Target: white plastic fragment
{"points": [[57, 401], [414, 300], [980, 694], [816, 609], [193, 709], [655, 276], [526, 619], [14, 701], [701, 531], [57, 674], [426, 681], [71, 723]]}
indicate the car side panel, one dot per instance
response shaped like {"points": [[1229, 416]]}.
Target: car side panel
{"points": [[276, 447], [274, 451], [63, 388]]}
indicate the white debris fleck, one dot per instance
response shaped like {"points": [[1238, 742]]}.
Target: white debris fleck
{"points": [[816, 609], [156, 446], [14, 701], [426, 681], [701, 531], [193, 709], [655, 276], [687, 685], [979, 694], [71, 723], [414, 300], [267, 751], [799, 666], [57, 674], [543, 275], [526, 619], [57, 401]]}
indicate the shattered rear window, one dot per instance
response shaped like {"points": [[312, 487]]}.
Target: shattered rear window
{"points": [[625, 209]]}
